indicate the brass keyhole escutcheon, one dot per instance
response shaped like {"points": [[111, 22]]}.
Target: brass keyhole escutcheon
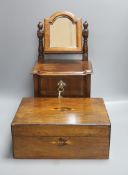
{"points": [[60, 89]]}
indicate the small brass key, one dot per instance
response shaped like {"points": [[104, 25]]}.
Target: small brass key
{"points": [[59, 94]]}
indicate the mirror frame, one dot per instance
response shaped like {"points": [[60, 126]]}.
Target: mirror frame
{"points": [[51, 20]]}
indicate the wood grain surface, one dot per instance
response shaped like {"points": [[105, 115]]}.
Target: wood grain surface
{"points": [[64, 68], [61, 128], [75, 111]]}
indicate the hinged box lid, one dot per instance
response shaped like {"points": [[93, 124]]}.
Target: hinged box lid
{"points": [[61, 117]]}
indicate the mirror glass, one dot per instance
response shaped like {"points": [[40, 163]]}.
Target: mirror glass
{"points": [[63, 33]]}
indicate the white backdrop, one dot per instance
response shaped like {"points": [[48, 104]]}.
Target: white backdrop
{"points": [[108, 43]]}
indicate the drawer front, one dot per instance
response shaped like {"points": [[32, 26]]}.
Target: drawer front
{"points": [[74, 86], [61, 147]]}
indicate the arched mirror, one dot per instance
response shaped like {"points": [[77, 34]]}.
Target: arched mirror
{"points": [[62, 33]]}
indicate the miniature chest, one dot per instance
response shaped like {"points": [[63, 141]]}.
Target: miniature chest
{"points": [[62, 35], [61, 128]]}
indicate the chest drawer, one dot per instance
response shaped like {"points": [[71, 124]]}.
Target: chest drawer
{"points": [[61, 147], [74, 86], [76, 75]]}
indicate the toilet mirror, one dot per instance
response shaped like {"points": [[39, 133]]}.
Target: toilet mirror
{"points": [[62, 33]]}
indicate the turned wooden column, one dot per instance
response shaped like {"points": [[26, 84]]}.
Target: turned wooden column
{"points": [[40, 34], [85, 41]]}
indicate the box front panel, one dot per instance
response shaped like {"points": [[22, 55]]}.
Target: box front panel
{"points": [[74, 86], [61, 147]]}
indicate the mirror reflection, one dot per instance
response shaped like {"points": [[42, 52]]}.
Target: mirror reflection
{"points": [[63, 33]]}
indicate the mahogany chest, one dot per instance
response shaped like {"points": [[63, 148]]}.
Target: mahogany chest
{"points": [[61, 128]]}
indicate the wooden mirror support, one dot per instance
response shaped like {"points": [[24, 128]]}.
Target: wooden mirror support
{"points": [[40, 34], [85, 41], [51, 22], [62, 78], [43, 34]]}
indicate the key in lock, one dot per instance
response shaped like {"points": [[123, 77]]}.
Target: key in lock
{"points": [[61, 85]]}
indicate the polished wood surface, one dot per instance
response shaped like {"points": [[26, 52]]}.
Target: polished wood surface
{"points": [[49, 147], [50, 20], [71, 128], [72, 111], [64, 68]]}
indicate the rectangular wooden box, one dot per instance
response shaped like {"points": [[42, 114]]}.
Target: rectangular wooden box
{"points": [[61, 128]]}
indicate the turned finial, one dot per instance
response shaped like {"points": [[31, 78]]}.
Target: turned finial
{"points": [[40, 34], [85, 40]]}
